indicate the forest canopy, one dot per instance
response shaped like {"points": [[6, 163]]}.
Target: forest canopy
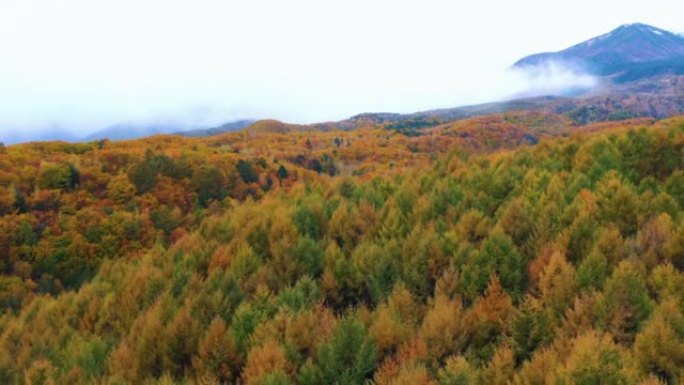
{"points": [[458, 256]]}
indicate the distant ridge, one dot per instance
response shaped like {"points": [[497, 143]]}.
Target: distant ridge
{"points": [[227, 127], [132, 131]]}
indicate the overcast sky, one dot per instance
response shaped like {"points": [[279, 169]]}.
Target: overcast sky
{"points": [[80, 65]]}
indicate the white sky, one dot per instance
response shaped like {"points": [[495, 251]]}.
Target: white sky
{"points": [[85, 64]]}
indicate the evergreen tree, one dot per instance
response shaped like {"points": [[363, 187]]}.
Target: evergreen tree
{"points": [[349, 357], [247, 172], [282, 173]]}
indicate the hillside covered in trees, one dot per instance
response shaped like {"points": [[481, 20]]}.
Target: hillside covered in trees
{"points": [[506, 249]]}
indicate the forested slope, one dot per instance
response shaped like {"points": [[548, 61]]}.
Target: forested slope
{"points": [[557, 263], [66, 207]]}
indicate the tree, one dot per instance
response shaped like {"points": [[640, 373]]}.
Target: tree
{"points": [[217, 358], [593, 271], [653, 239], [209, 183], [487, 320], [442, 328], [6, 201], [659, 347], [309, 257], [247, 172], [557, 284], [282, 174], [388, 330], [328, 165], [307, 222], [59, 177], [457, 371], [181, 341], [530, 328], [74, 176], [516, 221], [350, 356], [120, 190], [625, 303], [315, 165], [594, 359], [12, 292], [166, 219], [144, 176], [500, 369], [498, 256], [20, 203], [674, 185], [539, 370], [618, 203], [473, 227], [264, 364], [581, 237], [41, 372]]}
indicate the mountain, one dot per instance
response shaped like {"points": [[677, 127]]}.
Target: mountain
{"points": [[628, 53], [134, 131], [271, 126], [227, 127], [127, 131], [640, 70], [54, 133], [647, 102]]}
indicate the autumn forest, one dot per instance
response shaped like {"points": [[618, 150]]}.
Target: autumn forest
{"points": [[518, 248]]}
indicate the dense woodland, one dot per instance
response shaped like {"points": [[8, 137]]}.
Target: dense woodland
{"points": [[508, 249]]}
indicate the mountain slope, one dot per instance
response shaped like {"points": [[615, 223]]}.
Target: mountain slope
{"points": [[227, 127], [643, 99], [632, 51]]}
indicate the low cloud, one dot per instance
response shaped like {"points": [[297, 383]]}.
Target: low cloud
{"points": [[552, 78]]}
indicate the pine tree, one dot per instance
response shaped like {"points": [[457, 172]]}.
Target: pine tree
{"points": [[217, 357], [282, 173], [659, 347], [350, 356]]}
